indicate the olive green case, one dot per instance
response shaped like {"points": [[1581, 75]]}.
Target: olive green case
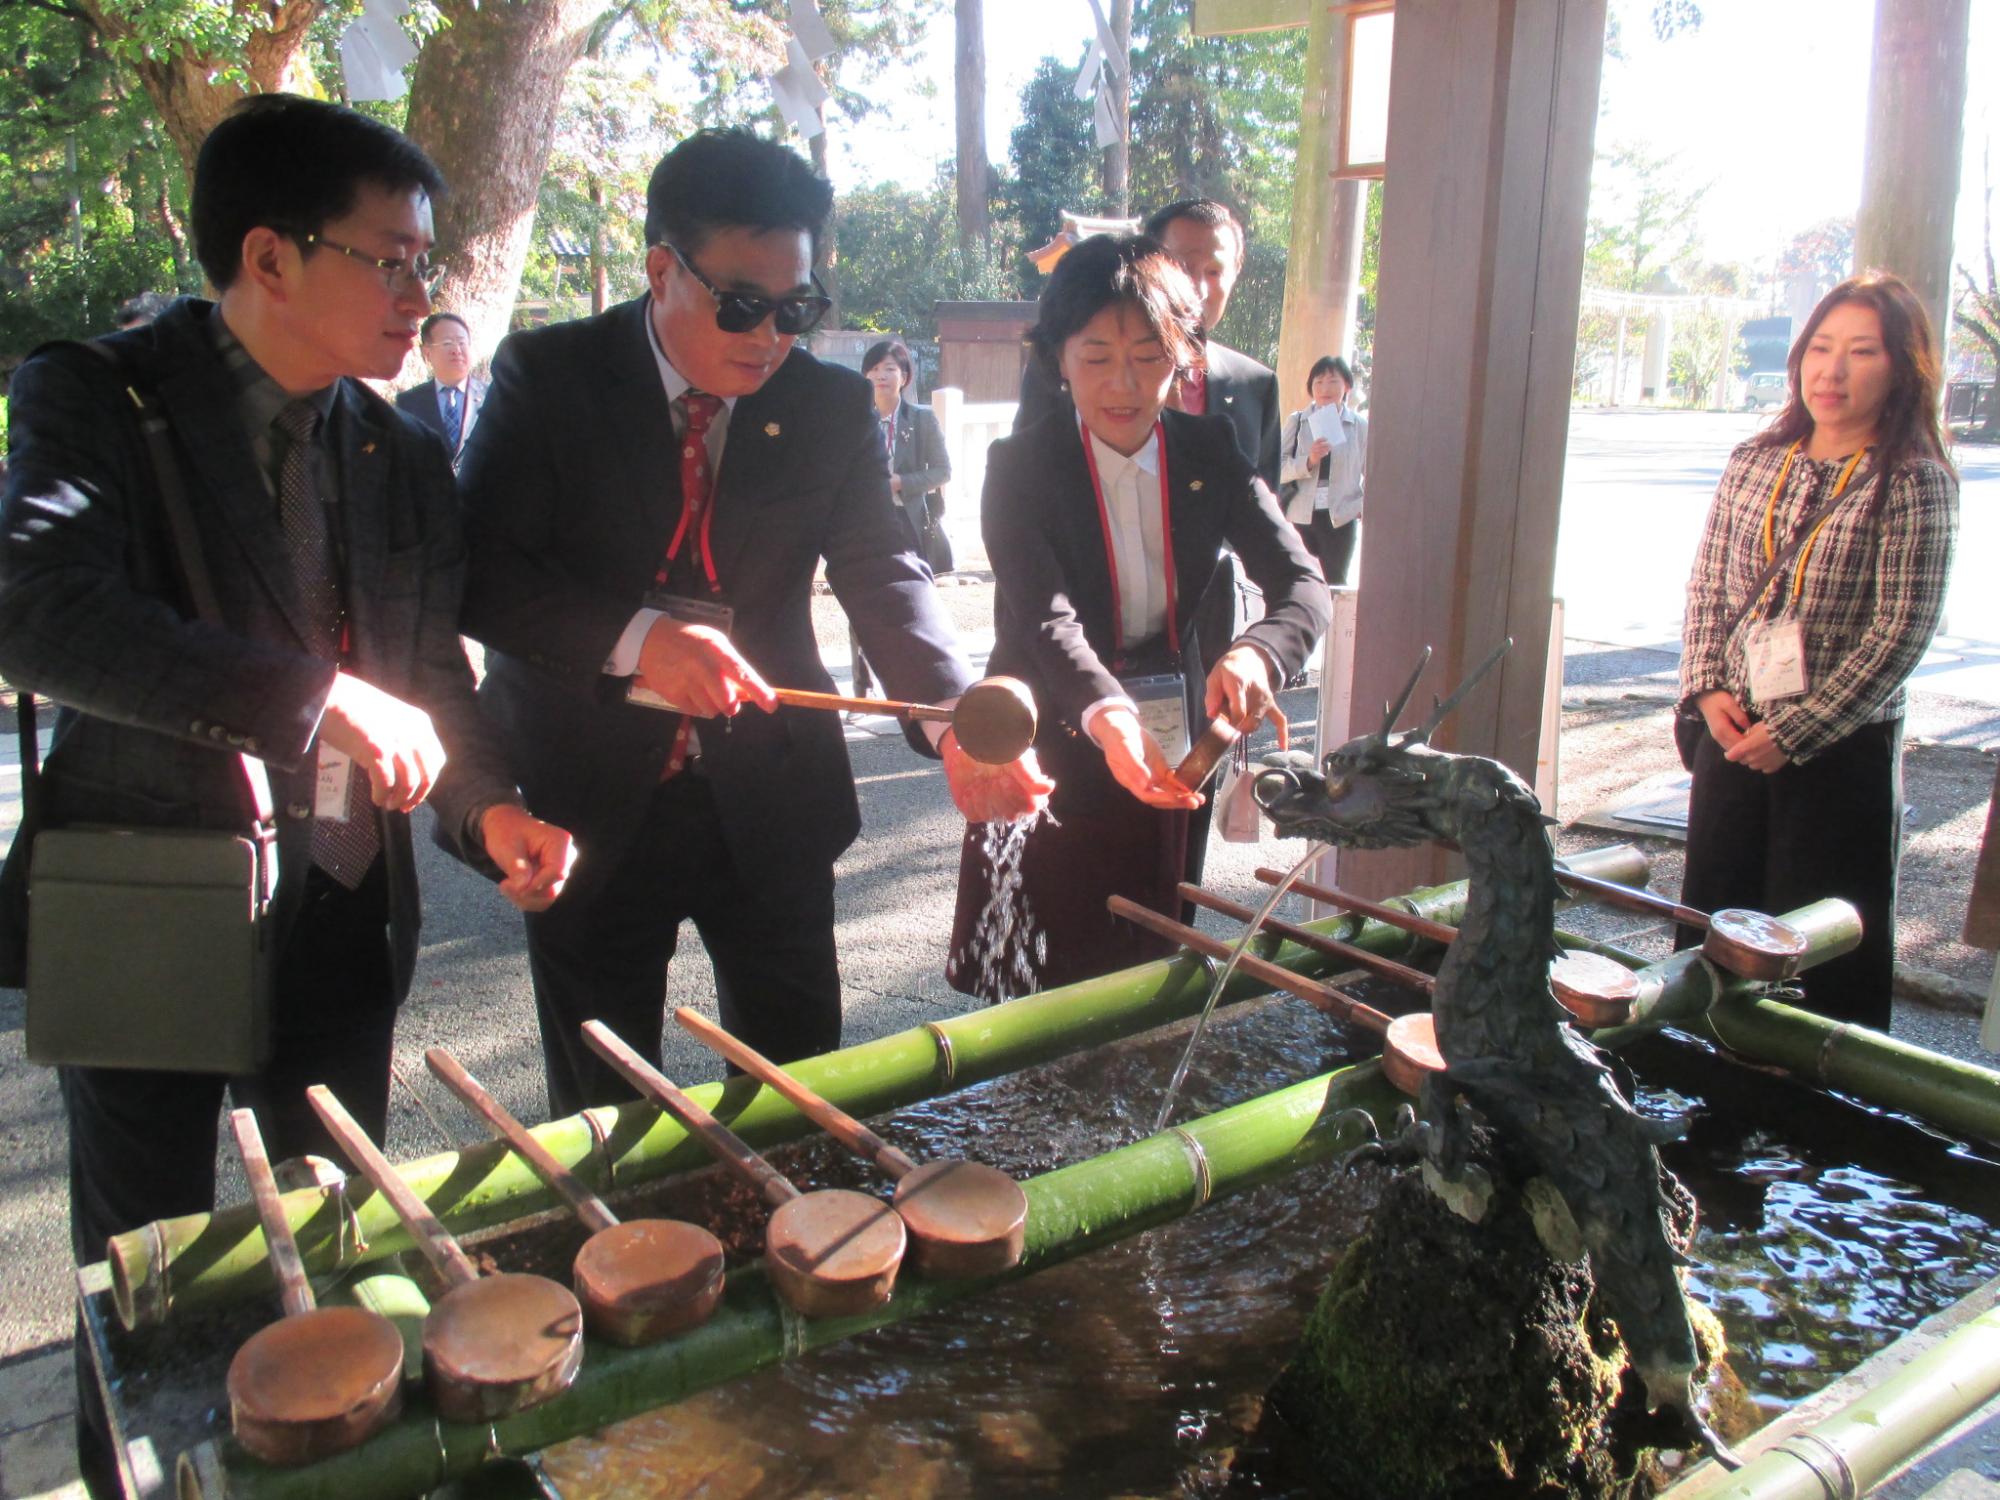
{"points": [[148, 949]]}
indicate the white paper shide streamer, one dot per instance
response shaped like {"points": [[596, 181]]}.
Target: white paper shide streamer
{"points": [[374, 51], [1102, 65]]}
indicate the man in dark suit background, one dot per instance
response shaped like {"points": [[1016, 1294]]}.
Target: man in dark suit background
{"points": [[448, 403], [331, 530], [647, 500]]}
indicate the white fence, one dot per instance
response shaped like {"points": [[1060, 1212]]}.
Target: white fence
{"points": [[969, 426]]}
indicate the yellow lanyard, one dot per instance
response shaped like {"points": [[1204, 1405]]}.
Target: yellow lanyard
{"points": [[1771, 512]]}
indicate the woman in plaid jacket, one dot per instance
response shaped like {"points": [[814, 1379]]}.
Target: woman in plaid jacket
{"points": [[1819, 584]]}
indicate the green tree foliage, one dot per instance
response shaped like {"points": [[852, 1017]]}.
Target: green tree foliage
{"points": [[899, 257], [1642, 218], [1051, 166], [62, 89]]}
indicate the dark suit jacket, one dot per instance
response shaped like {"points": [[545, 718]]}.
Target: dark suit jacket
{"points": [[421, 402], [155, 706], [1238, 388], [920, 458], [1052, 605], [572, 490]]}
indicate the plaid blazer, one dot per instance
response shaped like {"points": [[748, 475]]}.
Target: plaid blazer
{"points": [[1869, 599]]}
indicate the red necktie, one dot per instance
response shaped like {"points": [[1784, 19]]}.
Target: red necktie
{"points": [[692, 533]]}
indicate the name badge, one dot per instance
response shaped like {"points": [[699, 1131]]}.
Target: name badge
{"points": [[688, 612], [1162, 705], [330, 785], [1776, 654]]}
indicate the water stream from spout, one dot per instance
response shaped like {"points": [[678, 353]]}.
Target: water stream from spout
{"points": [[1313, 852]]}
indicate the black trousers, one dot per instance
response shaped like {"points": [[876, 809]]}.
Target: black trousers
{"points": [[605, 957], [142, 1144], [1829, 827], [1332, 545]]}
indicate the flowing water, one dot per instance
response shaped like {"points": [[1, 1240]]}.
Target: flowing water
{"points": [[1004, 940], [1313, 852], [1141, 1370]]}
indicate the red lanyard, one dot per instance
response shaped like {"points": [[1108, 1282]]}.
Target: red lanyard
{"points": [[1111, 552], [707, 552]]}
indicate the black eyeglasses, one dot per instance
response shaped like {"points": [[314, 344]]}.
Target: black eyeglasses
{"points": [[400, 272], [739, 312]]}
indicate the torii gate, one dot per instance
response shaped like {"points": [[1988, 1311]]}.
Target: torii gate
{"points": [[1492, 112]]}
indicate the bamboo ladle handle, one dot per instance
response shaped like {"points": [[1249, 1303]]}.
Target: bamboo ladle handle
{"points": [[431, 1236], [590, 1208], [802, 698], [835, 1121], [282, 1249], [729, 1148]]}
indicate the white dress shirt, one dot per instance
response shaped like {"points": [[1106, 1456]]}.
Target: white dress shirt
{"points": [[1131, 490]]}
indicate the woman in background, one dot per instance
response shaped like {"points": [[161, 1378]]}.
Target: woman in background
{"points": [[1819, 583], [919, 467], [1104, 525], [1320, 482]]}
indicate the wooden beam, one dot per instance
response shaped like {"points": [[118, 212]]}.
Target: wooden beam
{"points": [[1323, 268], [1492, 113], [1240, 17]]}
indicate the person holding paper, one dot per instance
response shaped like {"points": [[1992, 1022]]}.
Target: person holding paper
{"points": [[1326, 449], [648, 497], [1818, 585], [1104, 523]]}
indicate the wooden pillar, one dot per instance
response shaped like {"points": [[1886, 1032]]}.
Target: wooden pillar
{"points": [[1492, 109], [1323, 269], [1916, 130]]}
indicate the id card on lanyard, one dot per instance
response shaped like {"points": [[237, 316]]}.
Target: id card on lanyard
{"points": [[1161, 698], [1774, 650]]}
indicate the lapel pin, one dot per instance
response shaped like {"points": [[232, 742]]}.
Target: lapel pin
{"points": [[367, 447], [771, 429], [1194, 484]]}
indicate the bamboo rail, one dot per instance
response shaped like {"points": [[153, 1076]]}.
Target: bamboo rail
{"points": [[201, 1259], [1071, 1210]]}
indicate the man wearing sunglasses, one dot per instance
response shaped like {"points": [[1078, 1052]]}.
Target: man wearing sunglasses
{"points": [[648, 496]]}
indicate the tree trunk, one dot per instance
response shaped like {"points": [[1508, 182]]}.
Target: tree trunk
{"points": [[829, 242], [600, 272], [483, 104], [183, 87], [1117, 155], [970, 86]]}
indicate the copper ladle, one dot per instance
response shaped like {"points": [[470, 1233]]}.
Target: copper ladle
{"points": [[829, 1253], [639, 1280], [322, 1379], [493, 1345], [964, 1218]]}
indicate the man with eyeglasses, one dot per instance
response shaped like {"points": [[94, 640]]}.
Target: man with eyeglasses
{"points": [[647, 499], [448, 403], [329, 528]]}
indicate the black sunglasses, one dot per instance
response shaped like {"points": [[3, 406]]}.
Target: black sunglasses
{"points": [[739, 312]]}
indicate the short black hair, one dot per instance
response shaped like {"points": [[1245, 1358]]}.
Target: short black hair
{"points": [[732, 179], [424, 328], [140, 308], [290, 164], [896, 351], [1329, 364], [1205, 211], [1104, 271]]}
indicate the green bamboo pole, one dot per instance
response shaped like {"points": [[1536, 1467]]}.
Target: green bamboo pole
{"points": [[1874, 1435], [1071, 1211], [202, 1259]]}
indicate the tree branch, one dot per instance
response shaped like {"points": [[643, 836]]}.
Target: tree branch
{"points": [[54, 7]]}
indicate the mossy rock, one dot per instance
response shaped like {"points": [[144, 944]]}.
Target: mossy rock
{"points": [[1452, 1359]]}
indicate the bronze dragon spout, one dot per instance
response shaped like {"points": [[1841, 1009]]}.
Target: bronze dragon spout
{"points": [[1507, 1048]]}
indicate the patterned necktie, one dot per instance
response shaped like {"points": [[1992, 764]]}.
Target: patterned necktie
{"points": [[453, 423], [701, 409], [346, 849]]}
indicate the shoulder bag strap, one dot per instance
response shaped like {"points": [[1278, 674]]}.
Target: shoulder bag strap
{"points": [[194, 573]]}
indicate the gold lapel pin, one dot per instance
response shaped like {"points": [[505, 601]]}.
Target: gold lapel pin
{"points": [[367, 447], [770, 429], [1194, 484]]}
